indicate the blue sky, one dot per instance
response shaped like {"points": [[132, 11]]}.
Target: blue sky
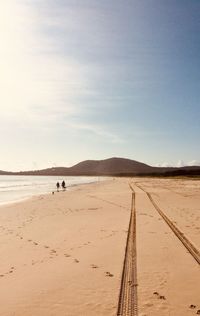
{"points": [[90, 79]]}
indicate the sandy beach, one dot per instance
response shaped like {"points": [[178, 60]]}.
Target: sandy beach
{"points": [[63, 254]]}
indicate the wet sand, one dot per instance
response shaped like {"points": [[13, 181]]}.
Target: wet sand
{"points": [[63, 254]]}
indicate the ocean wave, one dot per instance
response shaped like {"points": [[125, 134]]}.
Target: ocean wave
{"points": [[14, 188]]}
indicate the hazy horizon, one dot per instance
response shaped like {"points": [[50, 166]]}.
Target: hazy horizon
{"points": [[99, 79]]}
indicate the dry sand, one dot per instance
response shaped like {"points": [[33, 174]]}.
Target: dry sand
{"points": [[63, 254]]}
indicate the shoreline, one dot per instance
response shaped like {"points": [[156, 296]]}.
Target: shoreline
{"points": [[49, 192]]}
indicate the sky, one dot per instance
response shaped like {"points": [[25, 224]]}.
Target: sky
{"points": [[90, 79]]}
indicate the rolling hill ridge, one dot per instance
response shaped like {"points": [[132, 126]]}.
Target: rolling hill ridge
{"points": [[110, 167]]}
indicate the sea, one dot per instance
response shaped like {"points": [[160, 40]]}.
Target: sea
{"points": [[17, 188]]}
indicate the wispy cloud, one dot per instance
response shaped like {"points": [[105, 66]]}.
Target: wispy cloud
{"points": [[193, 163], [179, 164], [164, 164], [97, 130]]}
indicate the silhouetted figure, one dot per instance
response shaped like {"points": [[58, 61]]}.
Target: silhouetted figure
{"points": [[63, 185], [58, 186]]}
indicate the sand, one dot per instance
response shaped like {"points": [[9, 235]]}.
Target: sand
{"points": [[63, 254]]}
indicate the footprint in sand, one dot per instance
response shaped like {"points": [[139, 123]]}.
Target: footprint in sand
{"points": [[46, 246], [66, 255], [192, 306], [35, 243], [108, 274], [94, 266], [76, 260], [161, 297], [198, 312], [148, 304]]}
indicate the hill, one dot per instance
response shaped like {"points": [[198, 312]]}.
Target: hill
{"points": [[4, 172], [111, 167]]}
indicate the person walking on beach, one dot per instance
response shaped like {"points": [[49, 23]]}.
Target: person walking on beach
{"points": [[63, 185], [58, 186]]}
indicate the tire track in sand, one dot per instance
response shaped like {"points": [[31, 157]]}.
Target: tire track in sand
{"points": [[185, 241], [127, 304]]}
